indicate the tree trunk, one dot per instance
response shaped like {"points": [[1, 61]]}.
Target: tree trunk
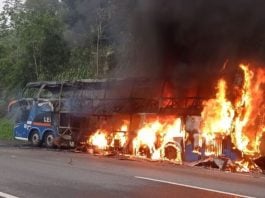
{"points": [[97, 54], [35, 63]]}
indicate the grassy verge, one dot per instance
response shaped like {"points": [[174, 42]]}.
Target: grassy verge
{"points": [[6, 129]]}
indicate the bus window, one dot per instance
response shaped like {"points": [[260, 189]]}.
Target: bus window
{"points": [[30, 92], [45, 94], [50, 92]]}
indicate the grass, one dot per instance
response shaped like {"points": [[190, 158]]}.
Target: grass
{"points": [[6, 128]]}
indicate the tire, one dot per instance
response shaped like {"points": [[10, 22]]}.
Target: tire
{"points": [[35, 139], [48, 140]]}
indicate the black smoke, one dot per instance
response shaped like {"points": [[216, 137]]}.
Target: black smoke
{"points": [[196, 41], [191, 40]]}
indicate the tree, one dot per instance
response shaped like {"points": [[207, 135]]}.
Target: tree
{"points": [[59, 40], [33, 43], [88, 31]]}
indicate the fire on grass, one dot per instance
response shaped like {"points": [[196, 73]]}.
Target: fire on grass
{"points": [[235, 113]]}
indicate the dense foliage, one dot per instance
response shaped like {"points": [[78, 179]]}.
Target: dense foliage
{"points": [[5, 129], [54, 40]]}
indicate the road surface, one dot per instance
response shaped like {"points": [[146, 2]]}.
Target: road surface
{"points": [[33, 172]]}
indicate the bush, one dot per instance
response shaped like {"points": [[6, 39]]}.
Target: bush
{"points": [[6, 129]]}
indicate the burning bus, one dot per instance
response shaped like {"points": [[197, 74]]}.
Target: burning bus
{"points": [[117, 107], [147, 118], [36, 114]]}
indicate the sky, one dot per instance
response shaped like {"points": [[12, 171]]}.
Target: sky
{"points": [[1, 4]]}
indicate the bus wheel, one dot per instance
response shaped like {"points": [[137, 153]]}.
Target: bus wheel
{"points": [[49, 138], [35, 139]]}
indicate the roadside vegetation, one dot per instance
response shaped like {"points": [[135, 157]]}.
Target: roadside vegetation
{"points": [[56, 40], [5, 129]]}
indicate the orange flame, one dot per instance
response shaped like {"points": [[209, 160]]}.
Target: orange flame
{"points": [[147, 135], [243, 109], [103, 138], [121, 134], [156, 136], [217, 114], [99, 139], [221, 116]]}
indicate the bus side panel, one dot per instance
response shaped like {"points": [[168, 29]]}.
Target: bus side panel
{"points": [[21, 131]]}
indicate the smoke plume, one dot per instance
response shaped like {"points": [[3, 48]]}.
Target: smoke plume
{"points": [[193, 41], [198, 35]]}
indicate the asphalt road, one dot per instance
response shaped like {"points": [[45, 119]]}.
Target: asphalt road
{"points": [[32, 173]]}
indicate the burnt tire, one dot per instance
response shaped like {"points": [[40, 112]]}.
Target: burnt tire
{"points": [[35, 139], [49, 140]]}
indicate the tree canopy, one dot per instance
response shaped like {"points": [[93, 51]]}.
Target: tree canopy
{"points": [[55, 40]]}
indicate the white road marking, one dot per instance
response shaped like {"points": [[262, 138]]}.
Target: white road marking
{"points": [[194, 187], [5, 195]]}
